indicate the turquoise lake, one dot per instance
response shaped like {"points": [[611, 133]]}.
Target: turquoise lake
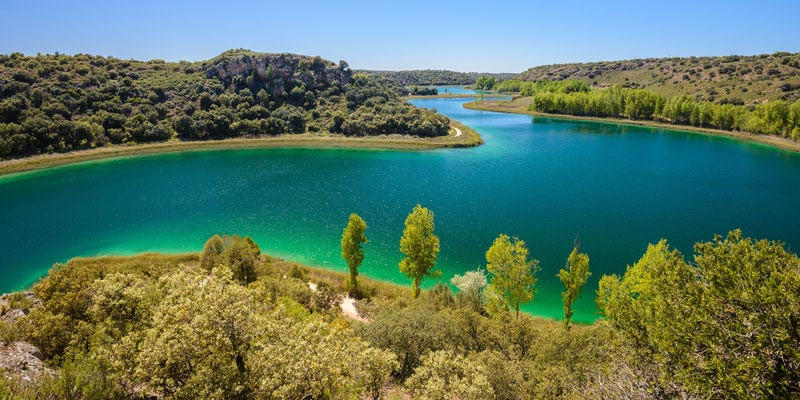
{"points": [[615, 188]]}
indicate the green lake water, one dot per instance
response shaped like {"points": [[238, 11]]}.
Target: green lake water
{"points": [[616, 188]]}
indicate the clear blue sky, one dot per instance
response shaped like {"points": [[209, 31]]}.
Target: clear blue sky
{"points": [[493, 36]]}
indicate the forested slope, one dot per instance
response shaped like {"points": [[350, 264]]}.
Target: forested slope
{"points": [[57, 103], [434, 76], [729, 79]]}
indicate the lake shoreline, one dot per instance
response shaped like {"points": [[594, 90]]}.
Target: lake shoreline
{"points": [[455, 96], [314, 273], [470, 138], [769, 140]]}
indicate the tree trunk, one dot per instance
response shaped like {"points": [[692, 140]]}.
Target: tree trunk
{"points": [[353, 282]]}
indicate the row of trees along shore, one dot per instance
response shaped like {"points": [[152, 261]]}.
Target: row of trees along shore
{"points": [[233, 323], [512, 274], [573, 97]]}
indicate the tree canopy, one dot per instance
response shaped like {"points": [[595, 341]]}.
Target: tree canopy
{"points": [[724, 326], [513, 275]]}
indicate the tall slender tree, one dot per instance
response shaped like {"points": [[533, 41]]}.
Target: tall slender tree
{"points": [[573, 278], [513, 275], [421, 247], [353, 239]]}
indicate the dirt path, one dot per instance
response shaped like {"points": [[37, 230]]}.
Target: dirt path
{"points": [[348, 305], [458, 132]]}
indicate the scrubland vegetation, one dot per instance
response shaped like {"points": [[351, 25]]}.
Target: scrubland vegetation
{"points": [[431, 77], [60, 103], [234, 323]]}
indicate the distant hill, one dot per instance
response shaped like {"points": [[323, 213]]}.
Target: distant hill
{"points": [[434, 76], [730, 79]]}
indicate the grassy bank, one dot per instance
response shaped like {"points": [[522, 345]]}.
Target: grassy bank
{"points": [[520, 105], [159, 263], [470, 138]]}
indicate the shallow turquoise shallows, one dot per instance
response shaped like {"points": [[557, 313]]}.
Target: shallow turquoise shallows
{"points": [[614, 188]]}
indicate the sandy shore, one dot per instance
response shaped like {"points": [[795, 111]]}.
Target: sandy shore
{"points": [[394, 142]]}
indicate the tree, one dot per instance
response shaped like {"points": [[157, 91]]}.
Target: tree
{"points": [[421, 247], [573, 278], [240, 255], [211, 250], [513, 275], [353, 239], [726, 326], [470, 289]]}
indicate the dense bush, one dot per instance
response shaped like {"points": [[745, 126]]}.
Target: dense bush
{"points": [[415, 90], [725, 326]]}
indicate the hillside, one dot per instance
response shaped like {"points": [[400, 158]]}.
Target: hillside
{"points": [[434, 76], [730, 79], [61, 103]]}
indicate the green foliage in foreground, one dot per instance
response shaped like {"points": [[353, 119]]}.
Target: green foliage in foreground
{"points": [[773, 118], [60, 103], [725, 326], [722, 327]]}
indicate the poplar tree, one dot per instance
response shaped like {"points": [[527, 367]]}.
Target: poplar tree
{"points": [[573, 278], [353, 239], [421, 247]]}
